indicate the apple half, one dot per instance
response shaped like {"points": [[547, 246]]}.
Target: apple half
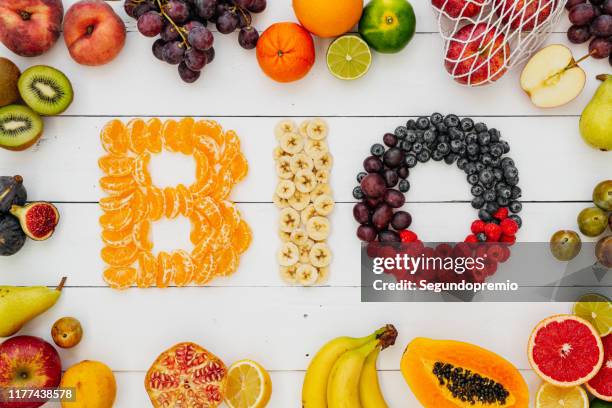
{"points": [[552, 78]]}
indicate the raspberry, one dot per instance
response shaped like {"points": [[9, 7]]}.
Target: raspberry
{"points": [[496, 252], [471, 238], [478, 226], [509, 227], [444, 250], [509, 239], [501, 213], [408, 236], [493, 232], [490, 267]]}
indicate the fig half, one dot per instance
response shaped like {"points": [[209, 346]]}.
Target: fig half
{"points": [[38, 220], [12, 192]]}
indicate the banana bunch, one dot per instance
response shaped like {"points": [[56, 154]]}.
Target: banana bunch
{"points": [[304, 197], [343, 373]]}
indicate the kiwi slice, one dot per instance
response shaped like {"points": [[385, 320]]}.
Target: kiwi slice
{"points": [[45, 89], [20, 127], [9, 74]]}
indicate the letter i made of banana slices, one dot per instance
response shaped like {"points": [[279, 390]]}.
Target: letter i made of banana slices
{"points": [[304, 197]]}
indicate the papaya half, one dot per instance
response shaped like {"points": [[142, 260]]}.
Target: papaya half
{"points": [[453, 374]]}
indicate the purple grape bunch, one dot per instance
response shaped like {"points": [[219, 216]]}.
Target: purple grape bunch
{"points": [[591, 21], [182, 27]]}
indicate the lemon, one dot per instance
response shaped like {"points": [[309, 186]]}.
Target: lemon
{"points": [[549, 396], [597, 309], [349, 57], [248, 385]]}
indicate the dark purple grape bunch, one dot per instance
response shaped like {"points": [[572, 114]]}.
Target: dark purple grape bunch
{"points": [[181, 26], [477, 150], [591, 21]]}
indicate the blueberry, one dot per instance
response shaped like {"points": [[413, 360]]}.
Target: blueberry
{"points": [[484, 149], [503, 202], [477, 190], [410, 160], [422, 123], [437, 155], [495, 162], [455, 146], [377, 149], [462, 162], [496, 150], [484, 215], [480, 127], [417, 147], [403, 172], [442, 128], [512, 181], [456, 134], [506, 193], [467, 124], [420, 137], [357, 193], [515, 206], [405, 145], [360, 176], [450, 158], [472, 179], [510, 172], [485, 159], [411, 124], [401, 132], [436, 118], [489, 195], [480, 167], [443, 139], [451, 120], [486, 176], [484, 138], [470, 168], [507, 161], [516, 219], [482, 237], [404, 186], [472, 148], [478, 202], [505, 146], [491, 207], [429, 136], [471, 138], [390, 139], [411, 136], [424, 156], [498, 174], [443, 148], [516, 192]]}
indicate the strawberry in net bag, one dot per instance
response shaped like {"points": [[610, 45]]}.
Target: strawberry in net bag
{"points": [[485, 38]]}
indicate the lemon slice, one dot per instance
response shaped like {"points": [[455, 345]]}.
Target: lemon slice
{"points": [[349, 57], [597, 309], [549, 396], [248, 385]]}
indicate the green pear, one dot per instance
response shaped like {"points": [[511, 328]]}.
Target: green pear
{"points": [[19, 305], [596, 119]]}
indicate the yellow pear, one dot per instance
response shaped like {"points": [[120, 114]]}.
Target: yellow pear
{"points": [[596, 119], [19, 305]]}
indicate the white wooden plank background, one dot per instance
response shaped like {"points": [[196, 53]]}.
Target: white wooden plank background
{"points": [[252, 314]]}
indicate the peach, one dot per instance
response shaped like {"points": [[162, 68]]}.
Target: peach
{"points": [[30, 27], [93, 32]]}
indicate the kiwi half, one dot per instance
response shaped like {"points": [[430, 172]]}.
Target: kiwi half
{"points": [[9, 75], [20, 127], [45, 89]]}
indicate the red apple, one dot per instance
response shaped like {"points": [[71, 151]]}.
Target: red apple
{"points": [[28, 362], [523, 14], [459, 8], [477, 55], [93, 32], [30, 27]]}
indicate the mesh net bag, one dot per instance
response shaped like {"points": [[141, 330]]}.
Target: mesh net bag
{"points": [[485, 38]]}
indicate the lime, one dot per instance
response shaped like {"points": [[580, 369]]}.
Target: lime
{"points": [[387, 25], [549, 396], [597, 309], [349, 57]]}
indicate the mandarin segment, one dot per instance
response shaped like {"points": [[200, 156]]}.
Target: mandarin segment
{"points": [[170, 135], [227, 262], [137, 135], [113, 137], [116, 202], [209, 128], [117, 185], [242, 237], [120, 277], [147, 270], [230, 213], [183, 268], [185, 143], [116, 166], [231, 146], [185, 200], [204, 270], [223, 185], [157, 203], [208, 146], [119, 238], [141, 170], [140, 235], [116, 220], [239, 168], [119, 256], [154, 138], [211, 211], [165, 270], [140, 206], [172, 202]]}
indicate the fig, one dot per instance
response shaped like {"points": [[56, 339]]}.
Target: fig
{"points": [[12, 236], [603, 251], [565, 245], [38, 220], [67, 332], [12, 192]]}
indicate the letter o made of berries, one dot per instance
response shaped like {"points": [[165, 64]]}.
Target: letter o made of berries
{"points": [[475, 149]]}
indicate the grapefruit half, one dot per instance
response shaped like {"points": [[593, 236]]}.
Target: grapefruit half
{"points": [[565, 350], [601, 385]]}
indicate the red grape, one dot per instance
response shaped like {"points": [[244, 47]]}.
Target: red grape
{"points": [[158, 47], [582, 14], [227, 22], [361, 213], [382, 216], [366, 233], [602, 26], [578, 34], [177, 10], [257, 6], [607, 7], [186, 74], [600, 48], [173, 52], [150, 24], [201, 38], [572, 3], [210, 55], [205, 8], [194, 59], [243, 3], [143, 8], [169, 33], [248, 38]]}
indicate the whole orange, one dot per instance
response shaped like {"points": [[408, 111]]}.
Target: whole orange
{"points": [[285, 52], [328, 18]]}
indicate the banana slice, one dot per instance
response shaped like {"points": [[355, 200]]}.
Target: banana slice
{"points": [[289, 273], [284, 236], [292, 143], [280, 202], [320, 255], [307, 213], [324, 162], [323, 275], [305, 251], [277, 153], [318, 228], [303, 129], [321, 189], [283, 127], [324, 205], [288, 254], [305, 181], [299, 237], [306, 274], [301, 162], [289, 219], [285, 189], [322, 176], [299, 200], [315, 148], [317, 129], [283, 168]]}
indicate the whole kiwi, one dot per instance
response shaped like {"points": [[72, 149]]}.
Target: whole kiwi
{"points": [[9, 75]]}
